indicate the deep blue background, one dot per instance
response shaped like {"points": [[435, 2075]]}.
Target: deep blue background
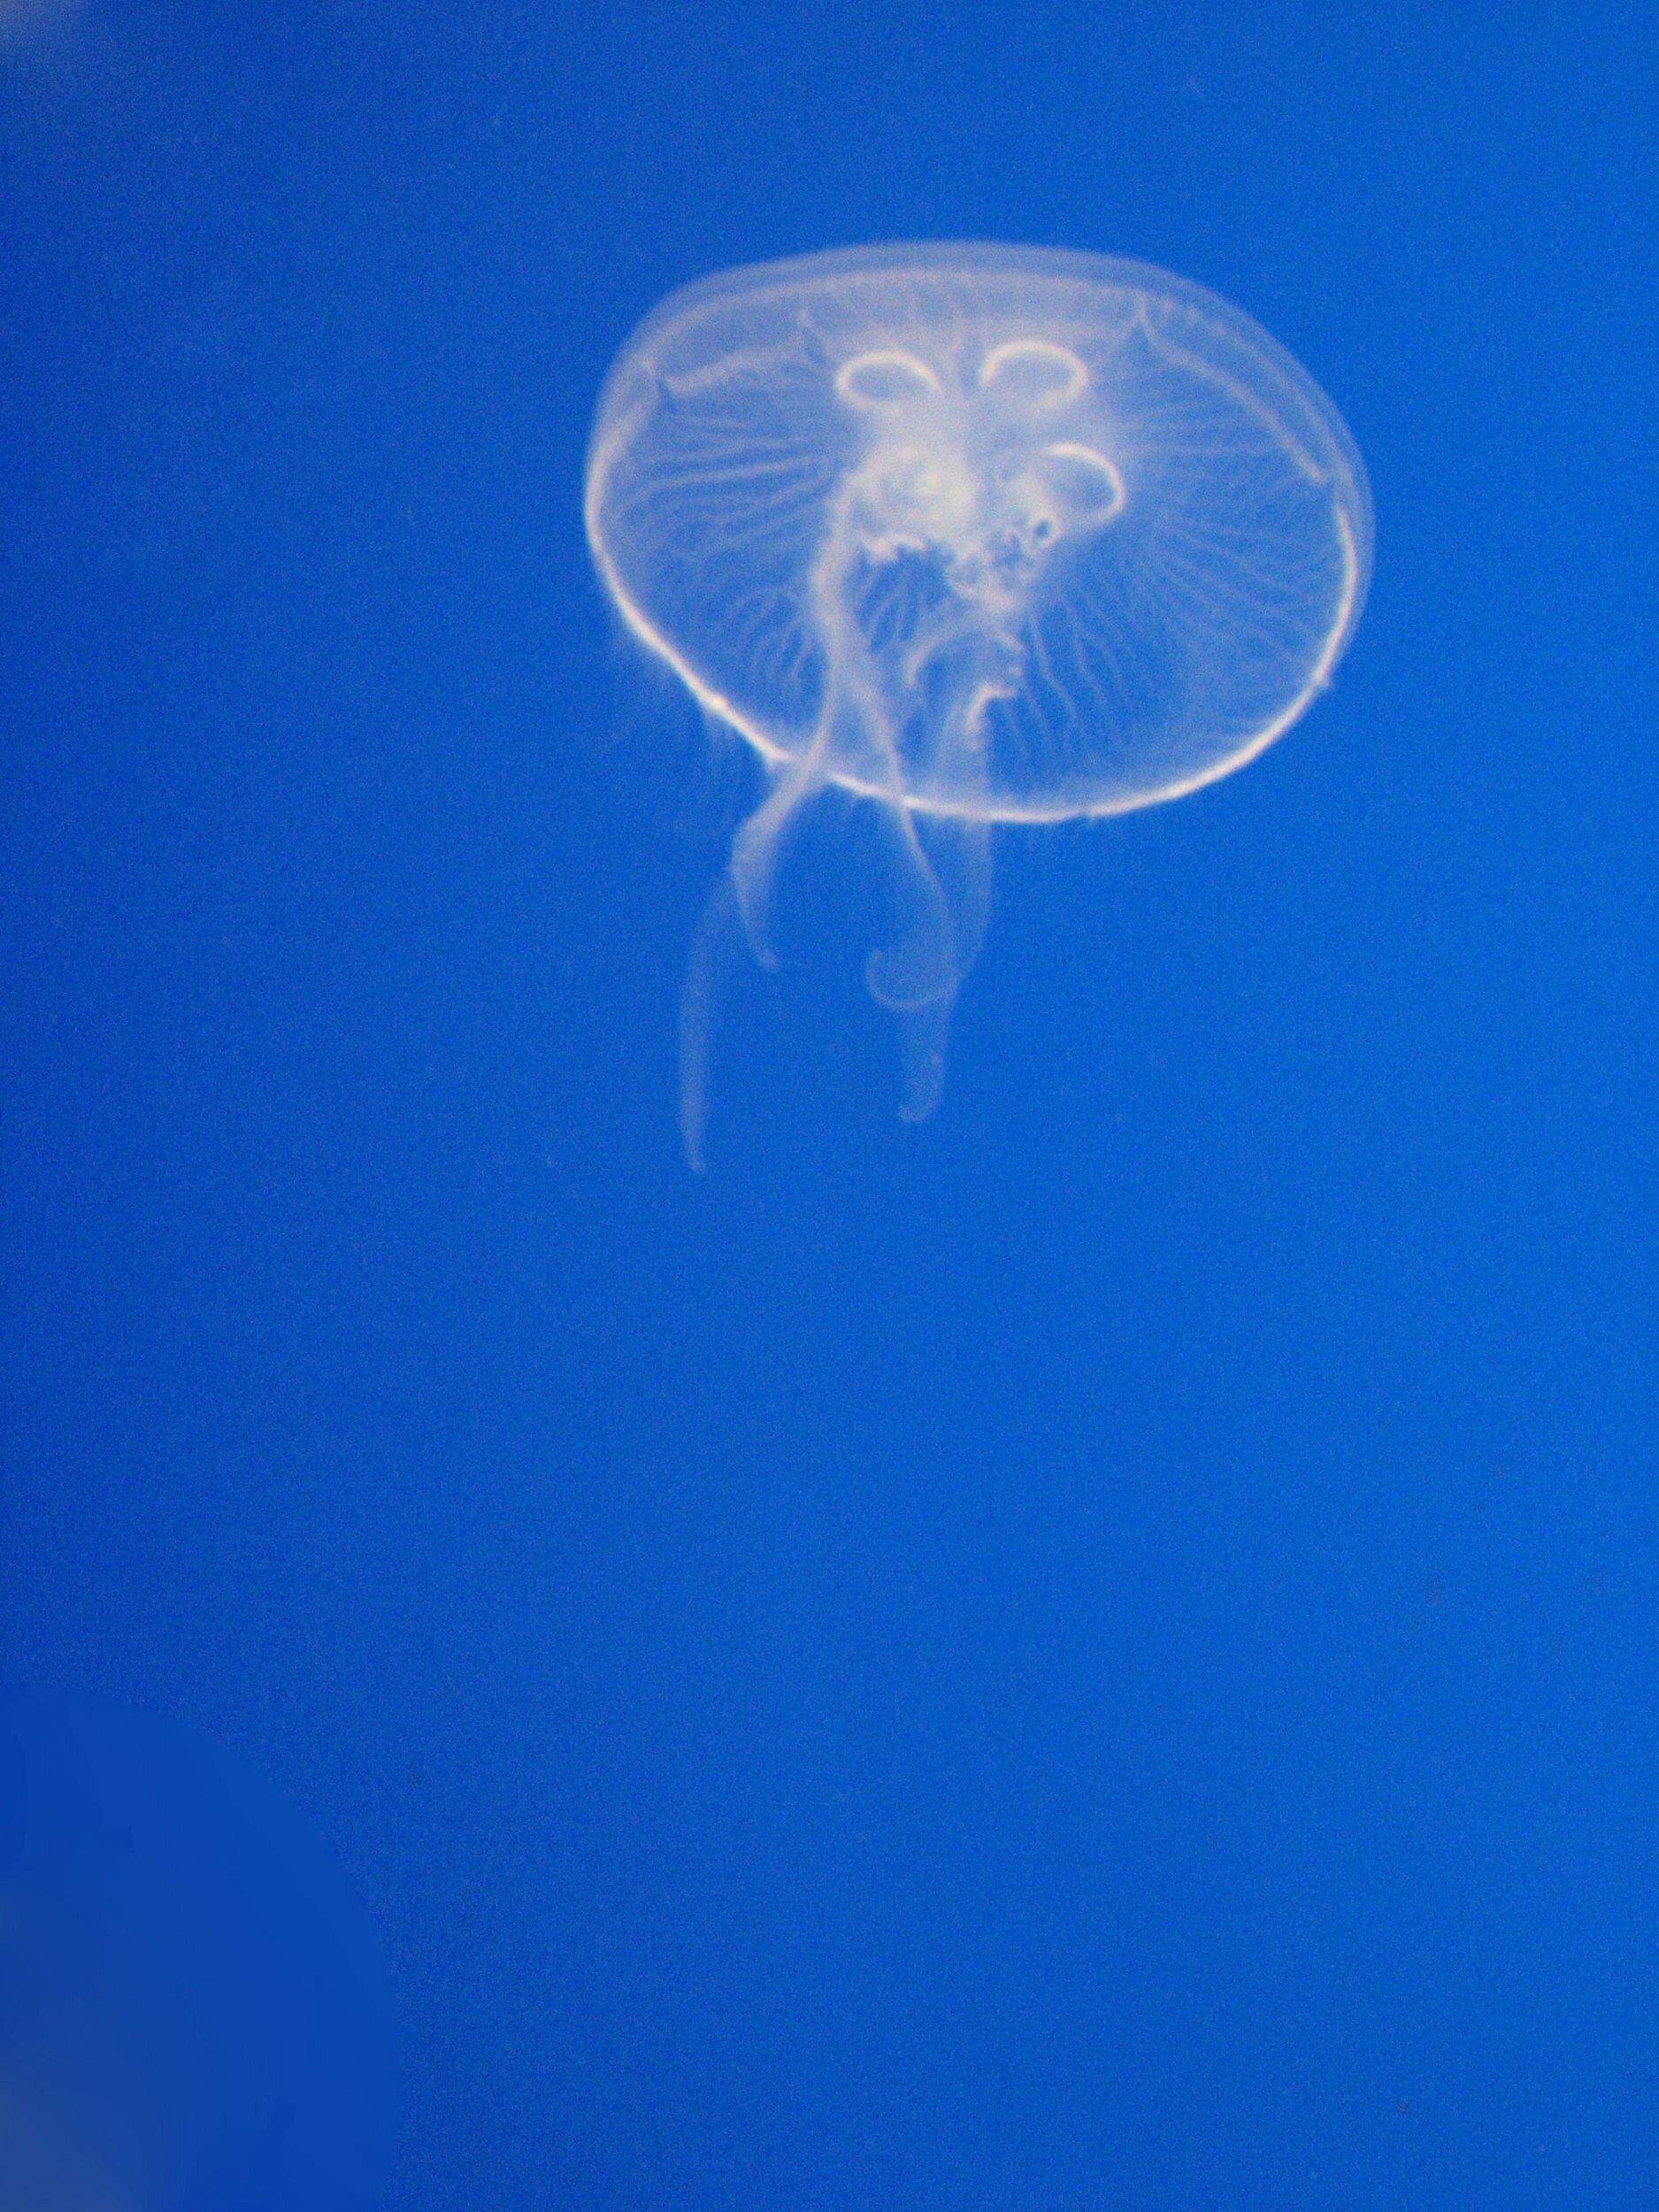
{"points": [[1099, 1653]]}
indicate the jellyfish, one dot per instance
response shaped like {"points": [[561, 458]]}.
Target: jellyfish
{"points": [[977, 536]]}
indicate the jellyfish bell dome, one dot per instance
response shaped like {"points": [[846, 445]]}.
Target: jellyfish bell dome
{"points": [[982, 534]]}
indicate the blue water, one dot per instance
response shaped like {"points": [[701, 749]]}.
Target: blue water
{"points": [[1096, 1654]]}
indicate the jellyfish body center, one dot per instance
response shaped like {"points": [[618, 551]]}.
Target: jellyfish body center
{"points": [[965, 491], [977, 481]]}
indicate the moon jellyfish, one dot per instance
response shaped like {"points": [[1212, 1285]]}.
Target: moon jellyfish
{"points": [[976, 535]]}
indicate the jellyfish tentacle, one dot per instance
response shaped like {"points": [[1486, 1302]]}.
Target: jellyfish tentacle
{"points": [[699, 1013], [959, 848], [942, 879], [941, 885], [924, 1037], [758, 844], [918, 965]]}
